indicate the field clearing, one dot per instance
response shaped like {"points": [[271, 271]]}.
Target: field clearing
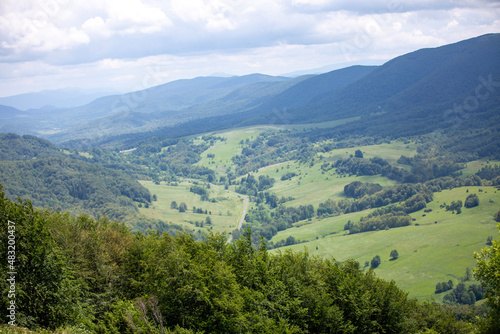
{"points": [[221, 221], [224, 151], [312, 185], [475, 166], [428, 253], [390, 152]]}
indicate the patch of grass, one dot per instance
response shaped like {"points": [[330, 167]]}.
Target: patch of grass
{"points": [[390, 152], [475, 166], [224, 151], [312, 185], [428, 253], [221, 220]]}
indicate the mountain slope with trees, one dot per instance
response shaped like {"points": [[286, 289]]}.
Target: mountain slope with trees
{"points": [[36, 169], [450, 88]]}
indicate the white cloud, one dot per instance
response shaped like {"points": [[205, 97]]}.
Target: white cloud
{"points": [[132, 16], [118, 39]]}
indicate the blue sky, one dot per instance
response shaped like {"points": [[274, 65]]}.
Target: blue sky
{"points": [[128, 45]]}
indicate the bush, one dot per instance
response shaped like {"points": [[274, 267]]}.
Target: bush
{"points": [[375, 262], [471, 201], [394, 254]]}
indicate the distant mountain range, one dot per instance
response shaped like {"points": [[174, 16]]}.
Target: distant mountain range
{"points": [[60, 98], [415, 93]]}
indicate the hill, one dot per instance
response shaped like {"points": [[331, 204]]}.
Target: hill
{"points": [[450, 89], [421, 80], [145, 110], [35, 169], [417, 93]]}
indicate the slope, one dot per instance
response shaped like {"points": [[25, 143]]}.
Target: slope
{"points": [[35, 169], [441, 88], [419, 81]]}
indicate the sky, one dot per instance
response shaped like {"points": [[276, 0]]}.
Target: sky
{"points": [[128, 45]]}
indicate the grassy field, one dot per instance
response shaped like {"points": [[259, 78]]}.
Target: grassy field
{"points": [[429, 252], [312, 185], [225, 150], [225, 213], [474, 166]]}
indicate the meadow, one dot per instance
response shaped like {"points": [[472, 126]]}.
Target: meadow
{"points": [[225, 213], [437, 247]]}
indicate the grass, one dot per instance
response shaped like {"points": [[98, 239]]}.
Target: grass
{"points": [[225, 150], [221, 220], [312, 185], [428, 253], [475, 166]]}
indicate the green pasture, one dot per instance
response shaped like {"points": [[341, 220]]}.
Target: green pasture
{"points": [[225, 216], [312, 185], [387, 151], [224, 151], [438, 249], [475, 166]]}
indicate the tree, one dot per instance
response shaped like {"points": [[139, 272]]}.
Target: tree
{"points": [[488, 272], [358, 154], [173, 205], [182, 207], [394, 254], [471, 201], [489, 240], [375, 261], [497, 216], [208, 220]]}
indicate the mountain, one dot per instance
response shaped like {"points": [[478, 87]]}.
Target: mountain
{"points": [[165, 105], [34, 168], [60, 98], [248, 96], [422, 81], [419, 92], [416, 93], [7, 112], [315, 88], [333, 67]]}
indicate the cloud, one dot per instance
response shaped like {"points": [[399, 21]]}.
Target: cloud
{"points": [[200, 37]]}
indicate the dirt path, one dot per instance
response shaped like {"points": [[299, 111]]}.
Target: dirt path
{"points": [[240, 224]]}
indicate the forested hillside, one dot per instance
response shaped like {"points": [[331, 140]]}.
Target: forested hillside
{"points": [[453, 88], [36, 169]]}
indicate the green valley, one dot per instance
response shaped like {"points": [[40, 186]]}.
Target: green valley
{"points": [[362, 200]]}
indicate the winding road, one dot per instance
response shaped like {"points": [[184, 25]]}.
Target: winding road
{"points": [[240, 224]]}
